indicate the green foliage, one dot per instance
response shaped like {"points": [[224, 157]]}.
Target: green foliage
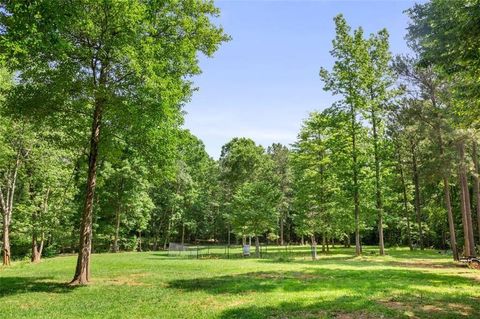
{"points": [[254, 208]]}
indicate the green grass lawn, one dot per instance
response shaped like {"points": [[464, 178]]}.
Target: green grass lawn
{"points": [[154, 285]]}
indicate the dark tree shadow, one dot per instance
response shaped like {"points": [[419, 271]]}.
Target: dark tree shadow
{"points": [[363, 293], [18, 285], [323, 309]]}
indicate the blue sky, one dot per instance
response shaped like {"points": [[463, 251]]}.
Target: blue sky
{"points": [[265, 81]]}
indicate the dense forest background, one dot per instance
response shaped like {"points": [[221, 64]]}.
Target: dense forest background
{"points": [[92, 144]]}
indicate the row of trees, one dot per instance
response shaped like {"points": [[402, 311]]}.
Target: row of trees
{"points": [[399, 148], [92, 148]]}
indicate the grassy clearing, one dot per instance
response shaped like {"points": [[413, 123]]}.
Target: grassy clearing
{"points": [[153, 285]]}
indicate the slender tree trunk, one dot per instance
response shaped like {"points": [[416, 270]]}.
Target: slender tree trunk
{"points": [[476, 187], [40, 248], [405, 201], [465, 203], [257, 246], [34, 258], [140, 241], [183, 234], [6, 241], [6, 203], [117, 231], [356, 201], [416, 182], [378, 190], [323, 242], [314, 247], [451, 222], [469, 215], [448, 203], [82, 272], [466, 239], [167, 235], [281, 230], [446, 183], [228, 237], [116, 247]]}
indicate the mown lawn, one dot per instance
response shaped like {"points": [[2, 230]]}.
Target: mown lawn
{"points": [[155, 285]]}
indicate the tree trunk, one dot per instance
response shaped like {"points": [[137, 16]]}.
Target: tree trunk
{"points": [[314, 247], [140, 241], [117, 232], [6, 205], [378, 191], [465, 204], [183, 234], [416, 182], [323, 242], [6, 241], [37, 249], [167, 235], [228, 237], [281, 231], [451, 222], [448, 203], [356, 201], [466, 239], [116, 247], [476, 183], [82, 272], [405, 201], [257, 246]]}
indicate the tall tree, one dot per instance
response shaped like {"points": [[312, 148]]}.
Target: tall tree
{"points": [[240, 161], [318, 191], [108, 58], [423, 83], [379, 79], [254, 209], [280, 156], [344, 79]]}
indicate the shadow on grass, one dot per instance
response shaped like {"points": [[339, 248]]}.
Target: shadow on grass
{"points": [[343, 308], [323, 309], [19, 285], [359, 293]]}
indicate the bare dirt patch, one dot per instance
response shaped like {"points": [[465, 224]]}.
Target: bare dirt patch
{"points": [[287, 275], [409, 309], [131, 280], [426, 264], [356, 315], [301, 314]]}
